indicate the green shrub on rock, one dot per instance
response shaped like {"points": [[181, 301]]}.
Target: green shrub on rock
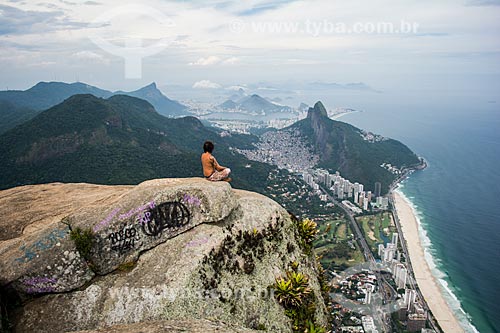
{"points": [[84, 239]]}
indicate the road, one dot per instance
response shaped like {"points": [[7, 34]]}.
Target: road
{"points": [[388, 293], [367, 253]]}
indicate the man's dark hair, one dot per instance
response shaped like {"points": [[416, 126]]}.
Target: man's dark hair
{"points": [[208, 146]]}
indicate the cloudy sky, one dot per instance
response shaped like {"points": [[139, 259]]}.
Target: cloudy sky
{"points": [[392, 46]]}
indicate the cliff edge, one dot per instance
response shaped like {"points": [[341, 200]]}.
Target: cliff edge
{"points": [[165, 255]]}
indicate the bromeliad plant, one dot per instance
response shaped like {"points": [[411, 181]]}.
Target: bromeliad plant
{"points": [[312, 328], [307, 231], [299, 281], [295, 295], [292, 290]]}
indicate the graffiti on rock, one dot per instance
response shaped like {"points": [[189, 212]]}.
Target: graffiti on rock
{"points": [[124, 216], [40, 284], [123, 240], [139, 209], [106, 221], [192, 200], [44, 243], [144, 218], [168, 215]]}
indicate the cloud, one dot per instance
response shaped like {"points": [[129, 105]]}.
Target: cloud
{"points": [[483, 3], [360, 86], [90, 56], [231, 61], [209, 61], [18, 46], [241, 8], [206, 84], [33, 32], [430, 34], [43, 64], [236, 88], [17, 21], [214, 60], [263, 7]]}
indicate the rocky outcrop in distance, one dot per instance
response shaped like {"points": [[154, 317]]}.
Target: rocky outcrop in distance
{"points": [[187, 254]]}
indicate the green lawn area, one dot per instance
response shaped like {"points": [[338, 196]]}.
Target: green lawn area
{"points": [[374, 225], [341, 231], [331, 229], [332, 245], [331, 260], [387, 224]]}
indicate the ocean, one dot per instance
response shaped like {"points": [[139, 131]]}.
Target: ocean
{"points": [[456, 198]]}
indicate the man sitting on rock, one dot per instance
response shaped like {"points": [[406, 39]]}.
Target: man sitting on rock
{"points": [[211, 169]]}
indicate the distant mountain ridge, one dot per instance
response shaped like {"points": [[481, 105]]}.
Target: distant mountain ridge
{"points": [[162, 104], [119, 140], [254, 104], [343, 147], [303, 107], [21, 105], [43, 95]]}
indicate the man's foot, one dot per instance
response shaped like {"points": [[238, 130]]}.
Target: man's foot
{"points": [[228, 179]]}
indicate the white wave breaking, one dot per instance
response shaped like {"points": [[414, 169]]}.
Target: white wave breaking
{"points": [[435, 265]]}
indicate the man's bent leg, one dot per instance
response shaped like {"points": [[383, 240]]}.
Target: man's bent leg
{"points": [[220, 175]]}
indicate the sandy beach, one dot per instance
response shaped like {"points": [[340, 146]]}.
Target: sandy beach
{"points": [[338, 115], [425, 280]]}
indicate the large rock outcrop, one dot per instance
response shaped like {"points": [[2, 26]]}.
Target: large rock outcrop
{"points": [[162, 251]]}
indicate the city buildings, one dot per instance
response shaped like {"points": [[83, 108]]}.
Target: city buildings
{"points": [[368, 324], [382, 203], [395, 236], [286, 149], [400, 275], [343, 189], [378, 189], [416, 322], [352, 208], [368, 293], [389, 252], [352, 329], [417, 315]]}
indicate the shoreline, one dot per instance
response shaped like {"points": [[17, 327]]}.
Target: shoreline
{"points": [[339, 115], [427, 283]]}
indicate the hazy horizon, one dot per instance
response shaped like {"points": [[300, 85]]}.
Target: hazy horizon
{"points": [[387, 49]]}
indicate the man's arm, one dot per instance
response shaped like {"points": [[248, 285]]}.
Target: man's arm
{"points": [[217, 166]]}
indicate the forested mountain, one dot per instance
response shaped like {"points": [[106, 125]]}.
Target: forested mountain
{"points": [[357, 155], [119, 140], [17, 106]]}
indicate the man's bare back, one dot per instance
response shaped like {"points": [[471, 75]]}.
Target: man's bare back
{"points": [[211, 168]]}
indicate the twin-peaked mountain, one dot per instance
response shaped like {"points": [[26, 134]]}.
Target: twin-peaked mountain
{"points": [[254, 104], [119, 140], [356, 154], [17, 106]]}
